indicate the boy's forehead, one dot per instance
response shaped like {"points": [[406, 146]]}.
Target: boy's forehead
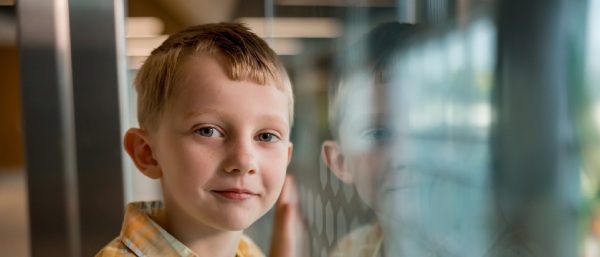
{"points": [[203, 79], [200, 61], [201, 69], [197, 70], [366, 98], [208, 64]]}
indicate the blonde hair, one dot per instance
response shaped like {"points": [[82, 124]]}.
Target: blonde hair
{"points": [[244, 55]]}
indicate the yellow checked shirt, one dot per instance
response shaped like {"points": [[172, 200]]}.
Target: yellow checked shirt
{"points": [[142, 237], [367, 241]]}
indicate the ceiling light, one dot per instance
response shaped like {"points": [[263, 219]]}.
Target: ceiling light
{"points": [[370, 3], [143, 46], [294, 27], [144, 26], [286, 46]]}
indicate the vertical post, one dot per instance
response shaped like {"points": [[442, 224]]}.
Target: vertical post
{"points": [[269, 21], [95, 59], [47, 116], [536, 169], [406, 10], [72, 70], [435, 11]]}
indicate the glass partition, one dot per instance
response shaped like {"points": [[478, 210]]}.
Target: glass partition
{"points": [[422, 128], [471, 133]]}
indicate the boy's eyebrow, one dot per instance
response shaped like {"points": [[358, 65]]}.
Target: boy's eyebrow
{"points": [[275, 118], [265, 118], [200, 112], [376, 117]]}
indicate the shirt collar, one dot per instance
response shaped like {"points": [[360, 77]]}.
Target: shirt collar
{"points": [[146, 238], [143, 236]]}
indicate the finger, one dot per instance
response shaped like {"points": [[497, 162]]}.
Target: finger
{"points": [[289, 194], [282, 243]]}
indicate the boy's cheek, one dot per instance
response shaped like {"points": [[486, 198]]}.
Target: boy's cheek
{"points": [[274, 172], [369, 172]]}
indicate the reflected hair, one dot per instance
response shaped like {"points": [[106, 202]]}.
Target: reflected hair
{"points": [[367, 62], [242, 54]]}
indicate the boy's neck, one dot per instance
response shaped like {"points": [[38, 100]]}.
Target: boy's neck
{"points": [[201, 239], [222, 244]]}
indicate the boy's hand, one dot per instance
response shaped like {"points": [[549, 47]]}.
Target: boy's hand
{"points": [[288, 230]]}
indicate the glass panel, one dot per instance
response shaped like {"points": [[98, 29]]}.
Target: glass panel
{"points": [[411, 115], [474, 133], [589, 120], [399, 129]]}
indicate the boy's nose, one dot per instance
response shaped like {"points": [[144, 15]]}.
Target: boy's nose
{"points": [[241, 159]]}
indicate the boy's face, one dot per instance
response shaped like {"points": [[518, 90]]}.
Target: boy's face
{"points": [[222, 147], [386, 164], [368, 155]]}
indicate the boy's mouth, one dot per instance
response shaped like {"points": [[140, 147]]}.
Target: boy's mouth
{"points": [[238, 194]]}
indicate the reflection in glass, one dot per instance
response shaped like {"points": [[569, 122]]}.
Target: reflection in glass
{"points": [[419, 138]]}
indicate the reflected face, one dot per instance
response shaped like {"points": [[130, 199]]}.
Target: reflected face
{"points": [[222, 147], [376, 153], [364, 139], [372, 150]]}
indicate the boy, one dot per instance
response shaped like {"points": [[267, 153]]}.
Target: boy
{"points": [[215, 110], [421, 209]]}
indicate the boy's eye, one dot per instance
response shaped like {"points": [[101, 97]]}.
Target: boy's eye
{"points": [[267, 137], [208, 132], [378, 134]]}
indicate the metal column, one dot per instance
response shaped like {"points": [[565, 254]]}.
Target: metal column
{"points": [[47, 126], [536, 165], [96, 71], [72, 68]]}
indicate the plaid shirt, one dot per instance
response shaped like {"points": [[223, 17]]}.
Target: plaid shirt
{"points": [[365, 241], [142, 237]]}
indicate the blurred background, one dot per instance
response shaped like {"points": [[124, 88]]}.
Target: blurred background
{"points": [[504, 97]]}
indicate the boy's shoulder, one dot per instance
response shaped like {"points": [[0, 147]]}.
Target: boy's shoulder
{"points": [[142, 236], [115, 248], [360, 242], [248, 247]]}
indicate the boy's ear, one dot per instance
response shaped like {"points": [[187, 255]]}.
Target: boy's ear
{"points": [[333, 157], [137, 145], [290, 148]]}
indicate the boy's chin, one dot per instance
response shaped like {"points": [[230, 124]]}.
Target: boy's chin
{"points": [[236, 227], [236, 223]]}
